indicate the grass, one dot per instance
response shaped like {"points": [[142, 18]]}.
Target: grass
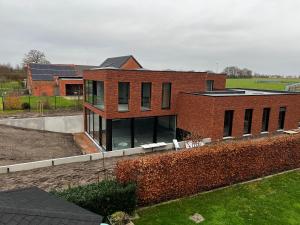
{"points": [[52, 102], [261, 83], [10, 85], [274, 200]]}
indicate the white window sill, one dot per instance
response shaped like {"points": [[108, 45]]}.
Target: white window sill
{"points": [[227, 138], [247, 135], [265, 132], [280, 130]]}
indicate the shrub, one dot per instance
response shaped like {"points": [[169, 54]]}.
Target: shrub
{"points": [[187, 172], [119, 218], [12, 102], [25, 105], [103, 198]]}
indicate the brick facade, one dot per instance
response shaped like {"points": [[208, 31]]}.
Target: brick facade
{"points": [[181, 81], [205, 114]]}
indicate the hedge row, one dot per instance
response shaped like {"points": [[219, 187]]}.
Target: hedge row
{"points": [[103, 198], [173, 175]]}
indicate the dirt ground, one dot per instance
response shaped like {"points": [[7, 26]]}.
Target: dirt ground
{"points": [[62, 176], [19, 145]]}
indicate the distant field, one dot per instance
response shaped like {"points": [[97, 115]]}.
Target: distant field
{"points": [[261, 83]]}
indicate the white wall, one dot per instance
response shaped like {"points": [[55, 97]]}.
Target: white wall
{"points": [[62, 124]]}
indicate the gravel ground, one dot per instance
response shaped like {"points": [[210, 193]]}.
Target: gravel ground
{"points": [[19, 145], [62, 176]]}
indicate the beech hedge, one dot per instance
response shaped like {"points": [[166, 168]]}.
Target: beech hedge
{"points": [[187, 172], [103, 198]]}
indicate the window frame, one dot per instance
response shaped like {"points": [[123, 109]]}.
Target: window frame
{"points": [[249, 128], [229, 123], [169, 98]]}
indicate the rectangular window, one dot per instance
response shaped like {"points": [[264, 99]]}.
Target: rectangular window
{"points": [[166, 96], [248, 121], [166, 128], [143, 131], [209, 85], [98, 94], [228, 119], [281, 118], [91, 124], [89, 91], [265, 120], [146, 96], [124, 93], [121, 134]]}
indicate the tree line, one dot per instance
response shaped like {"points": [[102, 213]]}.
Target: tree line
{"points": [[18, 72]]}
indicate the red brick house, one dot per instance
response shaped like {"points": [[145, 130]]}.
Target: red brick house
{"points": [[66, 79], [127, 108]]}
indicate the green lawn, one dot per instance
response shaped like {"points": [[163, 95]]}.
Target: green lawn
{"points": [[52, 102], [261, 83], [271, 201]]}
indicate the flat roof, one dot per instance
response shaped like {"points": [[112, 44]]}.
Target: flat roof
{"points": [[242, 92], [148, 70]]}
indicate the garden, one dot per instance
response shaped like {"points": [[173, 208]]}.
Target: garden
{"points": [[274, 200]]}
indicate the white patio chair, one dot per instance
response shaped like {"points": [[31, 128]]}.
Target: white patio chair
{"points": [[176, 144]]}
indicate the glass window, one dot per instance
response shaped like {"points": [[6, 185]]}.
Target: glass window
{"points": [[124, 93], [281, 118], [209, 85], [146, 96], [91, 123], [87, 120], [265, 120], [89, 91], [103, 132], [143, 131], [248, 121], [228, 119], [98, 94], [166, 96], [166, 128], [121, 134], [96, 131]]}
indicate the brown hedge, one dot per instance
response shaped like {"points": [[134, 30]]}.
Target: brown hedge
{"points": [[177, 174]]}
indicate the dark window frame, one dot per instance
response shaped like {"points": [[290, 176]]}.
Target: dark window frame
{"points": [[142, 96], [168, 106], [248, 121], [281, 117], [211, 86], [265, 120], [128, 97], [228, 121]]}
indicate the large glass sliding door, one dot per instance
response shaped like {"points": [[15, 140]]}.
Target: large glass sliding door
{"points": [[166, 128], [134, 132], [121, 134], [143, 131], [96, 127]]}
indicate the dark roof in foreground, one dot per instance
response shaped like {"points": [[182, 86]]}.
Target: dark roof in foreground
{"points": [[33, 206], [117, 62], [46, 72]]}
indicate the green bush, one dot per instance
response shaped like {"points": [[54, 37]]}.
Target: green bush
{"points": [[103, 198], [25, 105]]}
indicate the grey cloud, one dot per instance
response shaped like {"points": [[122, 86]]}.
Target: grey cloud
{"points": [[176, 34]]}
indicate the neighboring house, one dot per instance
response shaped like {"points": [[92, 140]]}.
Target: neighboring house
{"points": [[129, 108], [66, 80], [122, 62], [33, 206], [55, 79]]}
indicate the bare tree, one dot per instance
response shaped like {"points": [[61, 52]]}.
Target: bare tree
{"points": [[35, 56]]}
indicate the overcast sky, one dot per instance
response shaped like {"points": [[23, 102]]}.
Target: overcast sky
{"points": [[263, 35]]}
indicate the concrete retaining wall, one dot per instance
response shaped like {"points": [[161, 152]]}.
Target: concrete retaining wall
{"points": [[61, 124], [79, 158]]}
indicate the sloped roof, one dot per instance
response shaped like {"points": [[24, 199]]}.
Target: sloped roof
{"points": [[117, 62], [33, 206], [45, 72]]}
